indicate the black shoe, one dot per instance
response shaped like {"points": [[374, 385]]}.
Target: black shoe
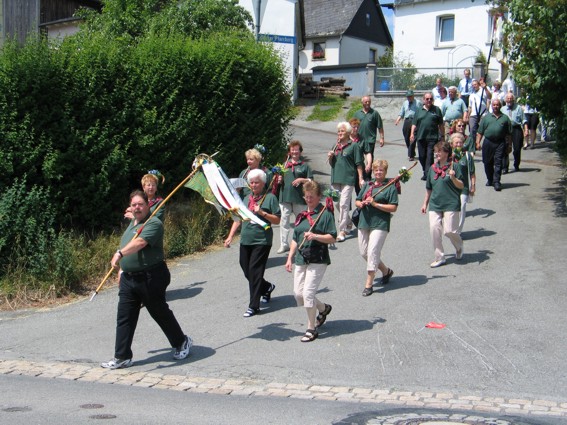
{"points": [[251, 312], [516, 169], [489, 183], [387, 276], [504, 171], [497, 187], [424, 178], [268, 295]]}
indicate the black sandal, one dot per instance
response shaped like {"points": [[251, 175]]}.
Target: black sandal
{"points": [[387, 276], [367, 292], [322, 317], [310, 335]]}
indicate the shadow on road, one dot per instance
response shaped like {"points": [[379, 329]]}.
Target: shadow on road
{"points": [[479, 212], [334, 328], [478, 233], [184, 293], [400, 282]]}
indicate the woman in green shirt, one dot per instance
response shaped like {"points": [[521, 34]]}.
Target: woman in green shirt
{"points": [[376, 207], [444, 184], [314, 231], [256, 241]]}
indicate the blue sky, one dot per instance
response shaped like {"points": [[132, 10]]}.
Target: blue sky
{"points": [[389, 16]]}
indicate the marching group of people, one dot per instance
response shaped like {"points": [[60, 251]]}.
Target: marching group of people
{"points": [[434, 127]]}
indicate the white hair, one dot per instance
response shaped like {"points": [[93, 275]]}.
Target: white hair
{"points": [[346, 125], [252, 174]]}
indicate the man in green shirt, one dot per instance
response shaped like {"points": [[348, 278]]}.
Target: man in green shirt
{"points": [[144, 277], [495, 128], [370, 121], [427, 129]]}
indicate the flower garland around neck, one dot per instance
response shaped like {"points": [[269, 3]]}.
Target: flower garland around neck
{"points": [[292, 164], [441, 171], [340, 147], [253, 201], [155, 201]]}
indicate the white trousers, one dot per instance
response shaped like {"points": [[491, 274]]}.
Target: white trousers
{"points": [[286, 228], [306, 280], [345, 203], [370, 243], [444, 223]]}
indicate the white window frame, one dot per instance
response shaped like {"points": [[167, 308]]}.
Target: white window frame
{"points": [[316, 55], [440, 20]]}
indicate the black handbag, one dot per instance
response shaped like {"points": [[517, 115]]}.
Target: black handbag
{"points": [[314, 254], [355, 216]]}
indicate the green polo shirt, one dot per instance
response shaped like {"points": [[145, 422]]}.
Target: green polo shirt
{"points": [[325, 225], [427, 123], [370, 122], [344, 165], [495, 128], [290, 193], [254, 234], [445, 196], [373, 218], [151, 254]]}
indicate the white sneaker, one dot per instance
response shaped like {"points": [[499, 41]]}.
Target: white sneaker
{"points": [[182, 352], [116, 363], [341, 237], [282, 249], [438, 263]]}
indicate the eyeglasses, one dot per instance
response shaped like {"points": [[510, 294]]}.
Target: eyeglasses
{"points": [[427, 98], [140, 204], [460, 125]]}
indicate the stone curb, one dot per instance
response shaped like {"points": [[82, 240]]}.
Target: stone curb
{"points": [[406, 399]]}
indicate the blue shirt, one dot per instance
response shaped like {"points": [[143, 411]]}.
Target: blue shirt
{"points": [[516, 115], [453, 110], [408, 110]]}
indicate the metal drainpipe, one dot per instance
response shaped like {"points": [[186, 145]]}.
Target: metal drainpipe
{"points": [[258, 17]]}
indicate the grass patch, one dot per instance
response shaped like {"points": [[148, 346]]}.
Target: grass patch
{"points": [[355, 106], [327, 109]]}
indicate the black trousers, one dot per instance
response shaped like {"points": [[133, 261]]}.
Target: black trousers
{"points": [[406, 131], [253, 259], [517, 144], [425, 151], [148, 288], [492, 156]]}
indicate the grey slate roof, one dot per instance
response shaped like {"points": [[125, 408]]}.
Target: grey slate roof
{"points": [[329, 17]]}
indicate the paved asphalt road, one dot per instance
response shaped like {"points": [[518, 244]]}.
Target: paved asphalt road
{"points": [[503, 306]]}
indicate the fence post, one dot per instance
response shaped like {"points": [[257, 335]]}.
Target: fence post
{"points": [[370, 78]]}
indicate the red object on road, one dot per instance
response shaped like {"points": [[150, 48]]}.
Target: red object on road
{"points": [[435, 325]]}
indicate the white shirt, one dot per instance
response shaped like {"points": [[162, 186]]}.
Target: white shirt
{"points": [[474, 103]]}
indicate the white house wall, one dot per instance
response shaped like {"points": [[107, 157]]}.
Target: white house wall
{"points": [[354, 50], [306, 62], [278, 20], [416, 31]]}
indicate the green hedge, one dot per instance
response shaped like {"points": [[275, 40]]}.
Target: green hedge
{"points": [[81, 122], [88, 120]]}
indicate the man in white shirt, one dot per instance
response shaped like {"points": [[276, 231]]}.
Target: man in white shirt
{"points": [[478, 105], [465, 86]]}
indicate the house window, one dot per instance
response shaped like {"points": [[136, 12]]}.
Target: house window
{"points": [[368, 19], [318, 51], [446, 29], [372, 56]]}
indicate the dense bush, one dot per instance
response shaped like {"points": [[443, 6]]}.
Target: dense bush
{"points": [[85, 119]]}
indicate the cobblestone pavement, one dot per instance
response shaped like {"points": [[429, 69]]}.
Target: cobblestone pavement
{"points": [[403, 399]]}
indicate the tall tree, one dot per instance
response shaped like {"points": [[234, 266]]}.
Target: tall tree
{"points": [[536, 40]]}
